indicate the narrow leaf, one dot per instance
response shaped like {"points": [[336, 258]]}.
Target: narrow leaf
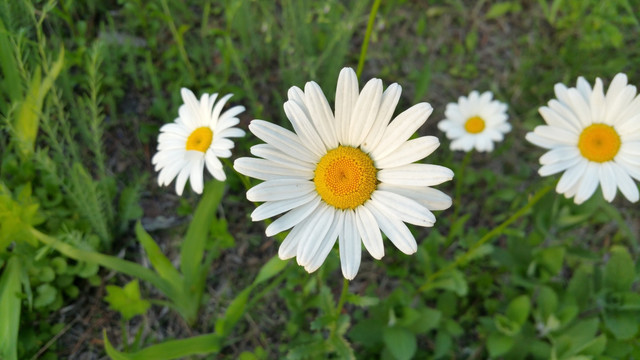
{"points": [[161, 263], [10, 309]]}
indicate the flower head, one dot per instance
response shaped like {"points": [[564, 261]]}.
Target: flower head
{"points": [[594, 138], [198, 137], [346, 175], [475, 121]]}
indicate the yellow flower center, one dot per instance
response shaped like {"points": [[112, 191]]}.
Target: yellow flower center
{"points": [[345, 177], [200, 139], [474, 125], [599, 143]]}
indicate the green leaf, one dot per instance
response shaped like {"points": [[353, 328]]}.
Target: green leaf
{"points": [[498, 344], [547, 302], [622, 324], [342, 348], [506, 326], [595, 347], [127, 300], [28, 115], [172, 349], [619, 272], [581, 285], [551, 259], [428, 319], [161, 263], [10, 306], [234, 312], [193, 246], [46, 295], [272, 268], [452, 280], [518, 309], [502, 8], [400, 342]]}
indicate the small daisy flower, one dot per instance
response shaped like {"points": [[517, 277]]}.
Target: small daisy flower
{"points": [[594, 138], [345, 175], [198, 137], [475, 121]]}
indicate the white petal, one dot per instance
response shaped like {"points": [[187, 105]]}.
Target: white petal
{"points": [[326, 244], [401, 129], [571, 177], [588, 183], [189, 112], [390, 99], [560, 165], [268, 170], [404, 208], [370, 232], [580, 106], [396, 230], [597, 102], [321, 114], [289, 246], [626, 185], [430, 198], [346, 97], [280, 189], [562, 153], [557, 135], [195, 178], [292, 218], [317, 227], [217, 109], [607, 181], [364, 112], [555, 119], [304, 128], [273, 208], [416, 175], [350, 248], [410, 151], [271, 153], [282, 139], [182, 179]]}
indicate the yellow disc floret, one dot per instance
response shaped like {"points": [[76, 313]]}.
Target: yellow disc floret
{"points": [[345, 177], [599, 143], [474, 125], [200, 139]]}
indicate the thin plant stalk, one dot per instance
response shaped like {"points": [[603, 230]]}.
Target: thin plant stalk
{"points": [[458, 193], [367, 36], [488, 236]]}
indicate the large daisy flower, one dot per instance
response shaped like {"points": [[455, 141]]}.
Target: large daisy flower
{"points": [[594, 138], [476, 122], [346, 175], [198, 137]]}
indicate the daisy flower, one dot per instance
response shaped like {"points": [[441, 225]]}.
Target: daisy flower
{"points": [[198, 137], [345, 175], [475, 121], [593, 137]]}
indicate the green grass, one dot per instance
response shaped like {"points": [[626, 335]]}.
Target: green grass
{"points": [[82, 155]]}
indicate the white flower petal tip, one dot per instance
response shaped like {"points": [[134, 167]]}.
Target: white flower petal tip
{"points": [[195, 140], [475, 122], [592, 138], [345, 176]]}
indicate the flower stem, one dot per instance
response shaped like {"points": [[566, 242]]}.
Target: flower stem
{"points": [[458, 194], [367, 36], [488, 236], [339, 306]]}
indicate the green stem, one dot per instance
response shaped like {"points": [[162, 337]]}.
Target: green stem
{"points": [[488, 236], [458, 194], [367, 36], [110, 262], [340, 305]]}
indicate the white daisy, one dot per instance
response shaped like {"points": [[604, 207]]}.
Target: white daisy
{"points": [[198, 137], [345, 176], [476, 121], [594, 138]]}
